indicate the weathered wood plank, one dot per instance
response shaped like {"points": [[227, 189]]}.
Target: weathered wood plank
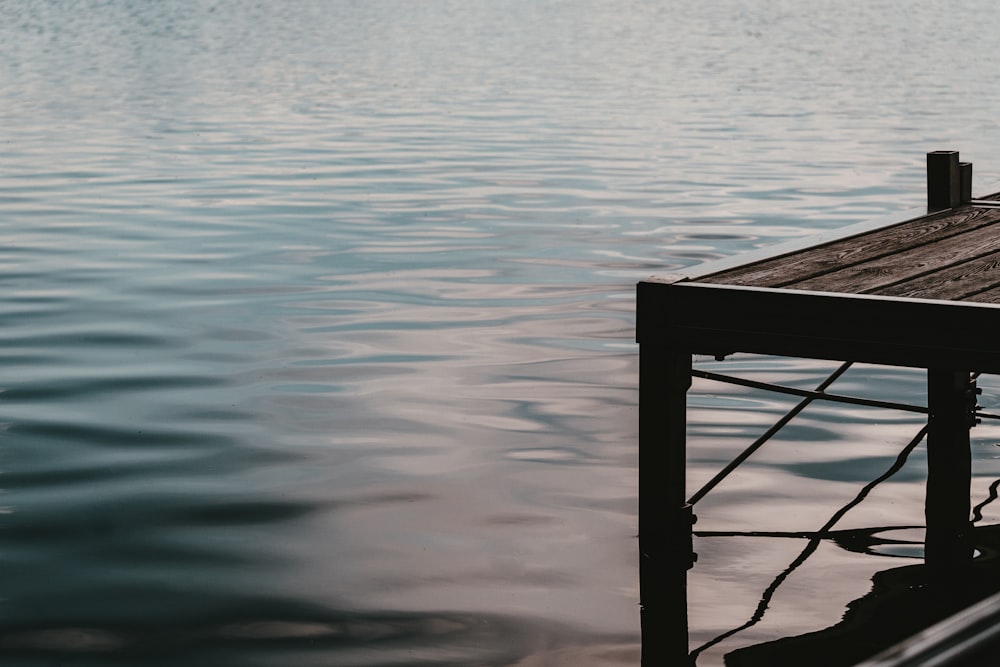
{"points": [[875, 275], [955, 283], [812, 262], [989, 296]]}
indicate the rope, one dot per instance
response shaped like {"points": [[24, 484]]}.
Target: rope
{"points": [[718, 377], [767, 435]]}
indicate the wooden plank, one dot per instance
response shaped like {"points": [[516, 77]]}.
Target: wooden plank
{"points": [[787, 269], [989, 296], [917, 261], [720, 320], [957, 282], [796, 245]]}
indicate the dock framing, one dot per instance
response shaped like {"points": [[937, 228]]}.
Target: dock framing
{"points": [[923, 293]]}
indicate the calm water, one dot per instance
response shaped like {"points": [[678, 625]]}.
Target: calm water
{"points": [[316, 317]]}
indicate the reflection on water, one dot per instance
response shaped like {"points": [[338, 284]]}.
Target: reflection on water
{"points": [[316, 321], [894, 592], [901, 602]]}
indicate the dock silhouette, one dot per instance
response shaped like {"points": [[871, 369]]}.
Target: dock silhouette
{"points": [[920, 291]]}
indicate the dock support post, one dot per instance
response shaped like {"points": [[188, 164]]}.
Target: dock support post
{"points": [[948, 546], [944, 180], [665, 542], [965, 178]]}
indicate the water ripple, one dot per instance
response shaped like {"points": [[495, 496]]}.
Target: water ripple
{"points": [[316, 328]]}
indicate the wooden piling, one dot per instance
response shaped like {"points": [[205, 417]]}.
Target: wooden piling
{"points": [[948, 543], [944, 181], [665, 553], [965, 180]]}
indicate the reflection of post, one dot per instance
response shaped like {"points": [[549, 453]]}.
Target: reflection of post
{"points": [[665, 552], [948, 543]]}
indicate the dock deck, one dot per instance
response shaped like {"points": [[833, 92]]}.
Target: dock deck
{"points": [[922, 292]]}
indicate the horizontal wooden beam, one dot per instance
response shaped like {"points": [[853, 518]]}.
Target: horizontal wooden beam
{"points": [[722, 319]]}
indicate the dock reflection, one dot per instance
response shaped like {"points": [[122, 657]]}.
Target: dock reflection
{"points": [[902, 602]]}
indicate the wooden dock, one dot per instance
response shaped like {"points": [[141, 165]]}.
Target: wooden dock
{"points": [[921, 292]]}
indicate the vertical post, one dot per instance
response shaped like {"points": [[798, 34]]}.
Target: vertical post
{"points": [[948, 542], [965, 178], [944, 180], [665, 549]]}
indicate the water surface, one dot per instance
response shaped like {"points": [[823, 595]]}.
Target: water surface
{"points": [[317, 317]]}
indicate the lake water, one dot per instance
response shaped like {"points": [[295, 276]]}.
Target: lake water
{"points": [[316, 317]]}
